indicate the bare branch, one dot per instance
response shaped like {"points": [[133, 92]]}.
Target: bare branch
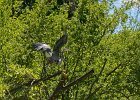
{"points": [[109, 73], [32, 82], [78, 80], [61, 88]]}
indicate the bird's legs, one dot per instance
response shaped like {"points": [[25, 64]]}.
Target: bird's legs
{"points": [[45, 66]]}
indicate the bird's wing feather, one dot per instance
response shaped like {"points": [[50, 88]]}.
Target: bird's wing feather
{"points": [[59, 43], [39, 46]]}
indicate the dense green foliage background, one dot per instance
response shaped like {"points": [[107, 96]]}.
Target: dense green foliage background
{"points": [[92, 45]]}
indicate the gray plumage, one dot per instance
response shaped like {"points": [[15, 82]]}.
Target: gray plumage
{"points": [[57, 49], [44, 48], [41, 46], [55, 54]]}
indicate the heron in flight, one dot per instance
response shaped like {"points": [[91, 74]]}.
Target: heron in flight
{"points": [[52, 55]]}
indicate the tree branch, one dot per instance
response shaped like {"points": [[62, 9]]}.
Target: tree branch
{"points": [[107, 75], [97, 77], [61, 88], [78, 80], [32, 82]]}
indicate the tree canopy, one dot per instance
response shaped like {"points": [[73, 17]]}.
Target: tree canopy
{"points": [[98, 63]]}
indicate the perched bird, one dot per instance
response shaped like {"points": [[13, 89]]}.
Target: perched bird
{"points": [[54, 55]]}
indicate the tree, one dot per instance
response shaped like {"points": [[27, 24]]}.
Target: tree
{"points": [[97, 65]]}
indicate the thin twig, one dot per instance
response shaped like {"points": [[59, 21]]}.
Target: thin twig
{"points": [[45, 65], [97, 78], [107, 75], [79, 56]]}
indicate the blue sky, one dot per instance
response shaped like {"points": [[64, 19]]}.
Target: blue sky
{"points": [[134, 12]]}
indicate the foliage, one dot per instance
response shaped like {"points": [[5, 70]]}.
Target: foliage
{"points": [[92, 47]]}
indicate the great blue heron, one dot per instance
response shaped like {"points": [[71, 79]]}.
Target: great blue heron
{"points": [[52, 55]]}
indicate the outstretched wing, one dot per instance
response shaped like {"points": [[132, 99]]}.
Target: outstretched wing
{"points": [[41, 46], [59, 43]]}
